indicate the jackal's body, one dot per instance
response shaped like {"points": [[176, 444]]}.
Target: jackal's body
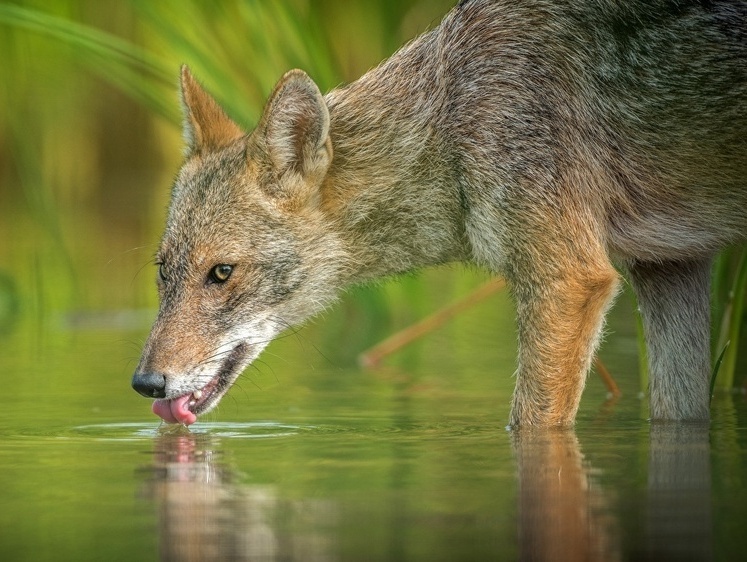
{"points": [[543, 140]]}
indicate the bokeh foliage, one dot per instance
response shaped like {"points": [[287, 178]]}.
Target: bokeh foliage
{"points": [[89, 134]]}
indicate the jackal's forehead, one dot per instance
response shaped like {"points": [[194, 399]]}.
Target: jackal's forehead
{"points": [[210, 180], [218, 214], [212, 195]]}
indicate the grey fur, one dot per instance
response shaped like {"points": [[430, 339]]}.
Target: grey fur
{"points": [[545, 141]]}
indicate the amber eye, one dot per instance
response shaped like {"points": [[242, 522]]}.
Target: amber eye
{"points": [[220, 273]]}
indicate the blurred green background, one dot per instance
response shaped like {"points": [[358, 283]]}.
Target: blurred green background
{"points": [[90, 140], [90, 128]]}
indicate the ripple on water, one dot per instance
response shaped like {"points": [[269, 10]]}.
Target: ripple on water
{"points": [[133, 431]]}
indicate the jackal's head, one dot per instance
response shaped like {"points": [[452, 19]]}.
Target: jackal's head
{"points": [[247, 251]]}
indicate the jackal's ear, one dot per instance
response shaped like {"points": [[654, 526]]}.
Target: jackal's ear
{"points": [[296, 127], [206, 125]]}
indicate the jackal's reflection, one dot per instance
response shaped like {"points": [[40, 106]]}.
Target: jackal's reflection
{"points": [[678, 504], [562, 512], [566, 514], [567, 509], [204, 513]]}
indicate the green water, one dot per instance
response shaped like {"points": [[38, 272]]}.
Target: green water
{"points": [[309, 458]]}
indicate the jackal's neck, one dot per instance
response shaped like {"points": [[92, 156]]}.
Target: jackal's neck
{"points": [[390, 191]]}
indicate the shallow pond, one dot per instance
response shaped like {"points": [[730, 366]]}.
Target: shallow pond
{"points": [[310, 459]]}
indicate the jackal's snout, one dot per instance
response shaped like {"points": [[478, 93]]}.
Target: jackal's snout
{"points": [[150, 385]]}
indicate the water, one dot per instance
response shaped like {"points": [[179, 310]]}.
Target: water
{"points": [[308, 458], [311, 459]]}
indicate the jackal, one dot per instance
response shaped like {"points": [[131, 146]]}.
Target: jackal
{"points": [[554, 143]]}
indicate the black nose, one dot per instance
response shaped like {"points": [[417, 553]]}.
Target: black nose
{"points": [[150, 385]]}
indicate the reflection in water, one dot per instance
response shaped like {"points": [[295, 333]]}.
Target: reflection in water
{"points": [[206, 510], [564, 513], [205, 514], [678, 514]]}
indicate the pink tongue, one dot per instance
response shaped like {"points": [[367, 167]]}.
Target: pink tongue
{"points": [[174, 411]]}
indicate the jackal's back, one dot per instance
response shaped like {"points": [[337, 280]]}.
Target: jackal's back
{"points": [[636, 110]]}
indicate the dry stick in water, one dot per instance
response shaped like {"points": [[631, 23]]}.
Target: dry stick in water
{"points": [[374, 355]]}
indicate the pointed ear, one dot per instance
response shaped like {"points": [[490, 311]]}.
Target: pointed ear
{"points": [[296, 127], [206, 126]]}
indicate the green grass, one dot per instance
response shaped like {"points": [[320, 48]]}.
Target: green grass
{"points": [[730, 288], [126, 66]]}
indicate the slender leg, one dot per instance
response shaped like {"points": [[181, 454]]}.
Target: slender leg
{"points": [[560, 322], [674, 300]]}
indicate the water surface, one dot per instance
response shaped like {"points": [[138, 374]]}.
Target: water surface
{"points": [[308, 458], [312, 459]]}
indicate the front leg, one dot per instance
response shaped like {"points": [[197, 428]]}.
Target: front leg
{"points": [[560, 318]]}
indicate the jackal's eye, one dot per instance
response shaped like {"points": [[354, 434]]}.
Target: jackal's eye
{"points": [[220, 273]]}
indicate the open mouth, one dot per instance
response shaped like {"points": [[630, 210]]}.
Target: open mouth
{"points": [[184, 409]]}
